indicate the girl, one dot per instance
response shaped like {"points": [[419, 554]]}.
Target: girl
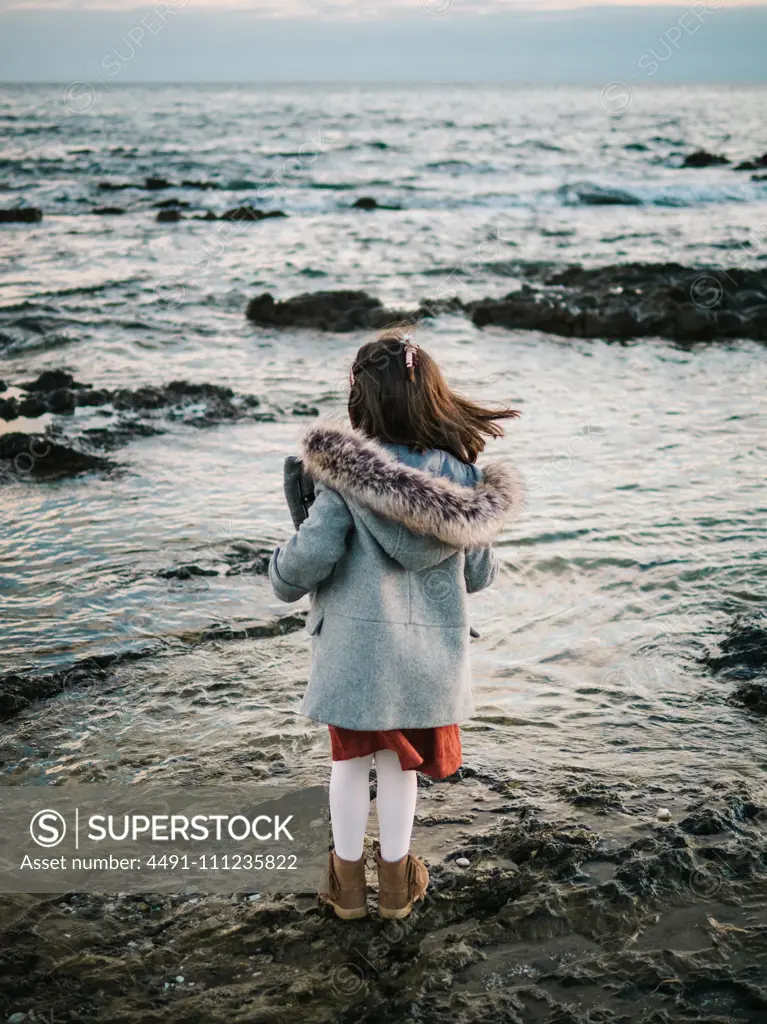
{"points": [[399, 532]]}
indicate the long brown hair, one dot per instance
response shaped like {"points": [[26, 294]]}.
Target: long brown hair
{"points": [[421, 411]]}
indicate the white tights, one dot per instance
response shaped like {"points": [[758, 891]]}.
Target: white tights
{"points": [[350, 804]]}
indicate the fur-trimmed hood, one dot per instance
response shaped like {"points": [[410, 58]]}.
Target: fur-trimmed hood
{"points": [[366, 472]]}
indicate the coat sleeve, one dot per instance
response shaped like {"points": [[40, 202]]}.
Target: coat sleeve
{"points": [[310, 555], [480, 569]]}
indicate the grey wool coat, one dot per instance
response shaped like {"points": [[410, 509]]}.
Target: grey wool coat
{"points": [[393, 543]]}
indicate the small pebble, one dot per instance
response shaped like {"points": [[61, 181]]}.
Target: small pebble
{"points": [[463, 862], [253, 897], [179, 979], [17, 1018], [664, 814]]}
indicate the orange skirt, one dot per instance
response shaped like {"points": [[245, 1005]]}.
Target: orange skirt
{"points": [[435, 752]]}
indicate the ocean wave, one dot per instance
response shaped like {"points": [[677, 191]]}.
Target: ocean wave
{"points": [[587, 193]]}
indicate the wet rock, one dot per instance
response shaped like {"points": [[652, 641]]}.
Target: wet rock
{"points": [[344, 310], [142, 412], [108, 211], [9, 408], [369, 203], [29, 455], [250, 213], [170, 216], [21, 215], [32, 406], [62, 400], [203, 185], [243, 558], [742, 654], [304, 409], [753, 165], [636, 300], [50, 380], [3, 386], [114, 186], [487, 945], [167, 204], [156, 184], [187, 571], [752, 696], [701, 158], [587, 194]]}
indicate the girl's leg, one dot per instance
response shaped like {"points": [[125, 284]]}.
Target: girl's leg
{"points": [[397, 791], [350, 805]]}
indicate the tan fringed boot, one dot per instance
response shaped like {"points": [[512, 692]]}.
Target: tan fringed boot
{"points": [[401, 883], [347, 889]]}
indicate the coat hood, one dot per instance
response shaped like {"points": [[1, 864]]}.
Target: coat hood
{"points": [[364, 470]]}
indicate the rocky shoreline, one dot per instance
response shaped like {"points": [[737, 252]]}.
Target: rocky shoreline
{"points": [[590, 915], [615, 303], [69, 446]]}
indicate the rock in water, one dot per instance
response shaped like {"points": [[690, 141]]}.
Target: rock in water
{"points": [[752, 696], [21, 215], [325, 311], [25, 455], [753, 165], [700, 158], [250, 213], [169, 216]]}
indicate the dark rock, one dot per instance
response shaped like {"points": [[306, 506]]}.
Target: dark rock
{"points": [[304, 409], [21, 215], [37, 456], [114, 186], [50, 380], [204, 185], [93, 396], [752, 696], [209, 215], [109, 211], [32, 406], [9, 408], [250, 213], [156, 184], [753, 165], [743, 652], [324, 311], [369, 203], [185, 572], [759, 177], [3, 386], [169, 204], [708, 821], [635, 300], [62, 400], [169, 216], [700, 158], [244, 558], [587, 194]]}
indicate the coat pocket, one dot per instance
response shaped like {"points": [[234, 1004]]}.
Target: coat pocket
{"points": [[314, 620]]}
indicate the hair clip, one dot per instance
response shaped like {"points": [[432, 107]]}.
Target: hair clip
{"points": [[411, 355]]}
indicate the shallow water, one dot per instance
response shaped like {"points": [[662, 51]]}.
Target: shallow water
{"points": [[645, 527]]}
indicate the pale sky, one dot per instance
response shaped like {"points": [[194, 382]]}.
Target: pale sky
{"points": [[518, 41]]}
